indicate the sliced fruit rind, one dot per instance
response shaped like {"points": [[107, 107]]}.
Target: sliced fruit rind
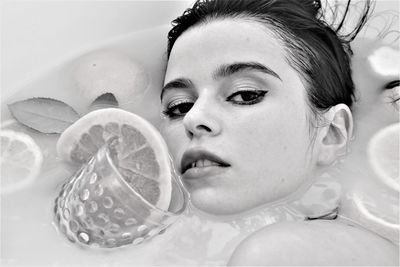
{"points": [[32, 165]]}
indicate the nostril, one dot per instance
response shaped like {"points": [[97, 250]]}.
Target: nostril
{"points": [[189, 134], [203, 127]]}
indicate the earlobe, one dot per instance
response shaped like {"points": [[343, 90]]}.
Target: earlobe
{"points": [[336, 134]]}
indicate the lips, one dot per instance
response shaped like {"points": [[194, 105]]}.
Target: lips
{"points": [[200, 159]]}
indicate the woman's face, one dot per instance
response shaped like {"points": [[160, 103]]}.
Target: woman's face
{"points": [[236, 118]]}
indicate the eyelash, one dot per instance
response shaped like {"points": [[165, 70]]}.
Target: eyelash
{"points": [[174, 105], [394, 97], [393, 101], [258, 96]]}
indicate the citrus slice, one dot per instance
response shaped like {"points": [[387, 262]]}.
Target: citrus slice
{"points": [[107, 71], [142, 155], [21, 160], [385, 61], [383, 155]]}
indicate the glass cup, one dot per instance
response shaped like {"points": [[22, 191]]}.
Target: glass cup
{"points": [[97, 207]]}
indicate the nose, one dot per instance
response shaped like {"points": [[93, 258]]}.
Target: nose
{"points": [[203, 119]]}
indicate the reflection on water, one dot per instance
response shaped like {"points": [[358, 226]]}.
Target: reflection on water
{"points": [[29, 236]]}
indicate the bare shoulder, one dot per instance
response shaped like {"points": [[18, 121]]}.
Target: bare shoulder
{"points": [[316, 243]]}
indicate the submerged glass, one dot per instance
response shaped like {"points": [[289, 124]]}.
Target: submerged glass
{"points": [[98, 208]]}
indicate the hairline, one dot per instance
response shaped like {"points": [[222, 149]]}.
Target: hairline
{"points": [[286, 38]]}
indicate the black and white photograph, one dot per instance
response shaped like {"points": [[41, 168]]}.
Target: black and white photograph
{"points": [[200, 133]]}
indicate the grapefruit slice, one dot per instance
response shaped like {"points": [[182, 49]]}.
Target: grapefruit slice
{"points": [[21, 161], [141, 154], [384, 155]]}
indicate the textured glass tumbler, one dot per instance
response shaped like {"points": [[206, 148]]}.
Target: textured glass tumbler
{"points": [[98, 208]]}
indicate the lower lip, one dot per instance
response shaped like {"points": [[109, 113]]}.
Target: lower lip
{"points": [[202, 172]]}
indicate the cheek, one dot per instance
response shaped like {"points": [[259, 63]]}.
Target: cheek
{"points": [[275, 145], [272, 134], [175, 137]]}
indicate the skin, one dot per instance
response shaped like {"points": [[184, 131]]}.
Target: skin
{"points": [[268, 162], [267, 144], [321, 243], [314, 243]]}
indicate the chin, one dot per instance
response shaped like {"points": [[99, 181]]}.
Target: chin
{"points": [[215, 205]]}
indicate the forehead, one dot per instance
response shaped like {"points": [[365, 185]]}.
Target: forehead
{"points": [[225, 41]]}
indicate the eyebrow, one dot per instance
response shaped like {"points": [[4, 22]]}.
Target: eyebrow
{"points": [[176, 83], [230, 69], [222, 71]]}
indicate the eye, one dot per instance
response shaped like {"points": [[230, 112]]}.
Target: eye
{"points": [[247, 97], [178, 108], [393, 92]]}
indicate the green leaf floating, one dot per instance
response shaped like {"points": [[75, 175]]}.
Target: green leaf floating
{"points": [[106, 100], [45, 115]]}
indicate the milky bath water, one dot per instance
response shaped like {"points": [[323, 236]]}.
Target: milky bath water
{"points": [[30, 237]]}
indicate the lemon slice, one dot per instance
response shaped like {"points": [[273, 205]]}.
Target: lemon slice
{"points": [[383, 155], [143, 159], [21, 161], [385, 61], [107, 71]]}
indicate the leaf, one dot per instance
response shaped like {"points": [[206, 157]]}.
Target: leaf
{"points": [[106, 100], [45, 115]]}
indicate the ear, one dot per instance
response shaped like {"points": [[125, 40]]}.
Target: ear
{"points": [[336, 135]]}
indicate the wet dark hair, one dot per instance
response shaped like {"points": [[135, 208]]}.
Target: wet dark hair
{"points": [[315, 49]]}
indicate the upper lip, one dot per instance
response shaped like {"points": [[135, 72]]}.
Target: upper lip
{"points": [[194, 155]]}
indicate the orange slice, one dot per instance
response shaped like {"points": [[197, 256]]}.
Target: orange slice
{"points": [[21, 161], [384, 155], [143, 159]]}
